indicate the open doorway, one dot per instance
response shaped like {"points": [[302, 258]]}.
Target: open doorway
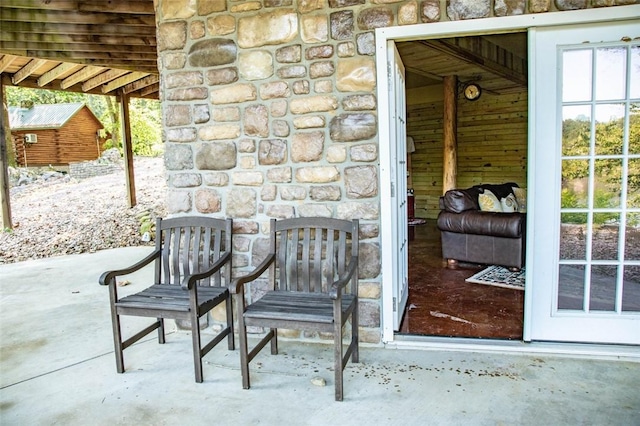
{"points": [[491, 147]]}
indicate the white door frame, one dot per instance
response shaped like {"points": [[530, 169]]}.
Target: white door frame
{"points": [[459, 29]]}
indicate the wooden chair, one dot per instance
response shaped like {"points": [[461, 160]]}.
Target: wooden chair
{"points": [[313, 277], [192, 273]]}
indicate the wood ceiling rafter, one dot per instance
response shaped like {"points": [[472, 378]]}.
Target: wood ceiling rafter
{"points": [[74, 44], [485, 55]]}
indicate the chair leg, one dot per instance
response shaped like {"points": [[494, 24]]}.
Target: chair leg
{"points": [[244, 351], [197, 353], [355, 338], [230, 337], [274, 342], [117, 340], [161, 337], [337, 337]]}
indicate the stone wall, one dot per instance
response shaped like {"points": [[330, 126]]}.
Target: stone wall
{"points": [[270, 110], [87, 169]]}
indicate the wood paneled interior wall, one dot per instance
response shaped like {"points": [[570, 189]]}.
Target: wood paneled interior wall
{"points": [[492, 145], [75, 141]]}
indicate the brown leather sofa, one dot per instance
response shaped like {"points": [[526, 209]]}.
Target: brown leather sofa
{"points": [[484, 237]]}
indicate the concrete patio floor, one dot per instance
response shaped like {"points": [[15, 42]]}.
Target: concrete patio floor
{"points": [[57, 367]]}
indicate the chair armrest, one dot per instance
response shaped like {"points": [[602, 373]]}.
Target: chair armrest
{"points": [[336, 287], [189, 280], [108, 276], [237, 285]]}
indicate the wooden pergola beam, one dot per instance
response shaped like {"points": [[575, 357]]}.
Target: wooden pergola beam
{"points": [[5, 199], [141, 84], [127, 144], [54, 73], [150, 92], [103, 78], [75, 39], [75, 17], [77, 29], [5, 62], [122, 81], [26, 46], [27, 70], [112, 6], [82, 75]]}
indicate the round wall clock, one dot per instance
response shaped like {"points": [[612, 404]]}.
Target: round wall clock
{"points": [[472, 91]]}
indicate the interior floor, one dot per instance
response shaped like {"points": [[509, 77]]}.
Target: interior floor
{"points": [[441, 303]]}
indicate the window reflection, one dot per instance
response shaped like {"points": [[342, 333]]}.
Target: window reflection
{"points": [[635, 72], [599, 231], [573, 238], [611, 66], [609, 129], [606, 230], [631, 289], [603, 288], [576, 130], [571, 287], [576, 75]]}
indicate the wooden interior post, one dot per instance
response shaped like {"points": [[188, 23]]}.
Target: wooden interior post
{"points": [[5, 200], [127, 146], [449, 133]]}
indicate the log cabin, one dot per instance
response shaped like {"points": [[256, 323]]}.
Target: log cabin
{"points": [[55, 134]]}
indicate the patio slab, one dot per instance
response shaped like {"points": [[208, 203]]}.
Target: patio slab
{"points": [[57, 367]]}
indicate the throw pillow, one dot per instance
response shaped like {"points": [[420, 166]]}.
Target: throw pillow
{"points": [[521, 198], [509, 204], [489, 202]]}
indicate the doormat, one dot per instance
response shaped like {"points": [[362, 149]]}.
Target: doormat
{"points": [[499, 277]]}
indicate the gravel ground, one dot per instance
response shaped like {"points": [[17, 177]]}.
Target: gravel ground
{"points": [[69, 216]]}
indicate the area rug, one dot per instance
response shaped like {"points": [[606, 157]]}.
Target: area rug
{"points": [[499, 277]]}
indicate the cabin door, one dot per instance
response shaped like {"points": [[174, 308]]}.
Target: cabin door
{"points": [[584, 270], [398, 151]]}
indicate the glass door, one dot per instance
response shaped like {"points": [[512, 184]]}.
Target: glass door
{"points": [[586, 272]]}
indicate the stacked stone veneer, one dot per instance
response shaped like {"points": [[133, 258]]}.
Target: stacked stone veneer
{"points": [[269, 111], [87, 169]]}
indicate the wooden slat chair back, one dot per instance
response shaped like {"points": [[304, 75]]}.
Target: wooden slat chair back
{"points": [[192, 260], [313, 285]]}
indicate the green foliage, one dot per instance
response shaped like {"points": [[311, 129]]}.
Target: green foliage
{"points": [[575, 137], [16, 95], [146, 127], [570, 200], [609, 136], [601, 200]]}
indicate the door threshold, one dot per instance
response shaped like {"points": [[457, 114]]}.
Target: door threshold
{"points": [[515, 347]]}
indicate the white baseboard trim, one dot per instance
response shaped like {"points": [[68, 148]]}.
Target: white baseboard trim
{"points": [[561, 349]]}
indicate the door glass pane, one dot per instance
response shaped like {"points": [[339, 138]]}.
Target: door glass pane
{"points": [[600, 160], [575, 183], [635, 72], [603, 288], [576, 75], [571, 287], [604, 244], [611, 66], [632, 239], [573, 236], [609, 129], [608, 183], [633, 184], [634, 127], [576, 130], [631, 289]]}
